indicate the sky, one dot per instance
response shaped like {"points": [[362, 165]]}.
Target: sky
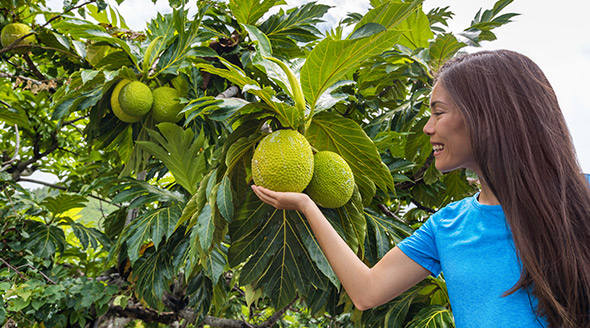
{"points": [[553, 34]]}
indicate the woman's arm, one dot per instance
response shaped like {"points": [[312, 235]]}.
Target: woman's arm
{"points": [[367, 287]]}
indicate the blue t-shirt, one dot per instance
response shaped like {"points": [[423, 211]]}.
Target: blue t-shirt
{"points": [[472, 244]]}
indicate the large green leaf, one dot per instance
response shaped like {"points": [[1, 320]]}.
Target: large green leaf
{"points": [[416, 31], [382, 233], [224, 199], [84, 29], [14, 116], [176, 55], [152, 225], [433, 316], [89, 236], [250, 11], [270, 242], [63, 202], [398, 311], [181, 153], [297, 25], [443, 48], [331, 60], [152, 274], [200, 291], [44, 240], [329, 131]]}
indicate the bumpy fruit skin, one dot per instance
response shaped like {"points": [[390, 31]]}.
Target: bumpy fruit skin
{"points": [[283, 161], [332, 183], [13, 31], [166, 105], [136, 99], [117, 108]]}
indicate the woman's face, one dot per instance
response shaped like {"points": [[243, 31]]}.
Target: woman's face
{"points": [[448, 133]]}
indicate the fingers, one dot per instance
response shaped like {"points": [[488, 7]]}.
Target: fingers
{"points": [[263, 194]]}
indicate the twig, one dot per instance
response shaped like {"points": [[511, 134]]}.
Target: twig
{"points": [[76, 120], [422, 207], [65, 12], [390, 214], [3, 74], [275, 317], [419, 174], [13, 268], [41, 273]]}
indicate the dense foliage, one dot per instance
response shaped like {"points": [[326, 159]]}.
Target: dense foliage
{"points": [[156, 223]]}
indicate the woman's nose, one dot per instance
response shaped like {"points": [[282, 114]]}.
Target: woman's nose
{"points": [[429, 127]]}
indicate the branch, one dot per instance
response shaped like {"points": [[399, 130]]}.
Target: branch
{"points": [[75, 120], [417, 177], [2, 74], [41, 273], [13, 268], [229, 92], [34, 68], [422, 207], [390, 214], [277, 316]]}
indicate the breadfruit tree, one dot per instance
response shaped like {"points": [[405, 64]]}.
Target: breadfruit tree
{"points": [[153, 137]]}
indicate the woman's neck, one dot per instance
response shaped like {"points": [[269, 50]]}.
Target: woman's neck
{"points": [[486, 196]]}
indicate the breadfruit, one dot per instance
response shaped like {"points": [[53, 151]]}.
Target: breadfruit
{"points": [[136, 99], [117, 108], [12, 32], [283, 161], [166, 105], [332, 183]]}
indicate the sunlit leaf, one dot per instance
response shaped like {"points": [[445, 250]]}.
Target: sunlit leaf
{"points": [[250, 11], [182, 154], [63, 202], [443, 48]]}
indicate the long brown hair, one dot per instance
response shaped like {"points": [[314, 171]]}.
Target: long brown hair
{"points": [[526, 156]]}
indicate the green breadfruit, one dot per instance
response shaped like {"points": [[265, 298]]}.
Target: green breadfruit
{"points": [[116, 107], [332, 183], [166, 105], [12, 32], [136, 99], [283, 161]]}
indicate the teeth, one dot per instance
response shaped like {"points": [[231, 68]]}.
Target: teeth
{"points": [[437, 147]]}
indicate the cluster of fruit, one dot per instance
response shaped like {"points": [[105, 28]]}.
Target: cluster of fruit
{"points": [[132, 100], [284, 161]]}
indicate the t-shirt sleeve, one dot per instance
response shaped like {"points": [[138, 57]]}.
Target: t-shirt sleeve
{"points": [[421, 246]]}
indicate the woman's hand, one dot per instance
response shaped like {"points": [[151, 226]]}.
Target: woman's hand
{"points": [[283, 200]]}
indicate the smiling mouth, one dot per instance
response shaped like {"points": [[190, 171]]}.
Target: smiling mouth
{"points": [[438, 148]]}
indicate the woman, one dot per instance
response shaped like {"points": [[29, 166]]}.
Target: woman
{"points": [[517, 254]]}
